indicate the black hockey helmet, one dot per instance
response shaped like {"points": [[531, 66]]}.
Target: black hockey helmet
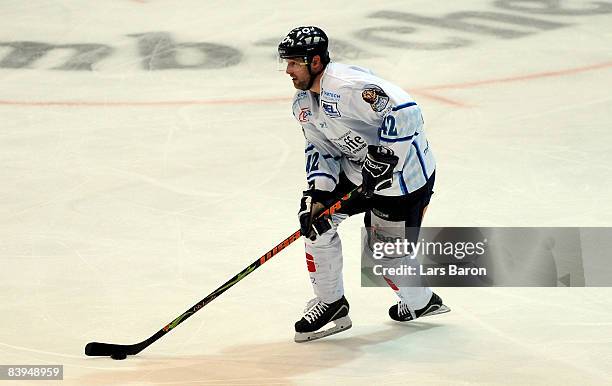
{"points": [[304, 42]]}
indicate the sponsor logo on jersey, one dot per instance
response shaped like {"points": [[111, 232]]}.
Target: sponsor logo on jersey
{"points": [[330, 109], [350, 145], [304, 114], [375, 96], [330, 95]]}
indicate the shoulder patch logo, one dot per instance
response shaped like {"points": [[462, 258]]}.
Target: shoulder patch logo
{"points": [[375, 96], [330, 109]]}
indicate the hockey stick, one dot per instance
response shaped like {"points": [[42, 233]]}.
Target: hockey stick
{"points": [[121, 351]]}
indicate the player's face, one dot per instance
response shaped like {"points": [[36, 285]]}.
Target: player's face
{"points": [[298, 71]]}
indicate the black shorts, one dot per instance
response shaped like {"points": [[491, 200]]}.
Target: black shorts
{"points": [[407, 208]]}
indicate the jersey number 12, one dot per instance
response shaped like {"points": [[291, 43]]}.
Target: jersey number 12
{"points": [[312, 162]]}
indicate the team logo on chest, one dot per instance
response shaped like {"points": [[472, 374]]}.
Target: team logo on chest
{"points": [[375, 96]]}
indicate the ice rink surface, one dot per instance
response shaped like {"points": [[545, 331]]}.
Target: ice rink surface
{"points": [[148, 153]]}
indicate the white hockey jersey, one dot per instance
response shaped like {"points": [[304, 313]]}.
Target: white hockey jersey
{"points": [[356, 109]]}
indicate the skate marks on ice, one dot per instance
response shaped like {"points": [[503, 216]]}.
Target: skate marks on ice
{"points": [[265, 363]]}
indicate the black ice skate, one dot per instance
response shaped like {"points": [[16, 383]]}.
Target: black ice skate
{"points": [[318, 315], [402, 313]]}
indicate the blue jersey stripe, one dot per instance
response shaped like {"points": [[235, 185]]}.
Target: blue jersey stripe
{"points": [[408, 138], [421, 161], [403, 106], [327, 156], [319, 174], [402, 182]]}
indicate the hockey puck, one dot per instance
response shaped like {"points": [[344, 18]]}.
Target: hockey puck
{"points": [[118, 356]]}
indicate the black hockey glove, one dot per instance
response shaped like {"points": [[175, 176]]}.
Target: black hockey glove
{"points": [[377, 169], [312, 204]]}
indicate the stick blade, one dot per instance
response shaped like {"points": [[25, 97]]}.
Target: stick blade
{"points": [[115, 351], [96, 349]]}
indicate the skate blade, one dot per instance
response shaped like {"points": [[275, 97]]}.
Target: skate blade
{"points": [[442, 310], [340, 325]]}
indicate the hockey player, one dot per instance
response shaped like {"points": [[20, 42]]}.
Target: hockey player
{"points": [[359, 129]]}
